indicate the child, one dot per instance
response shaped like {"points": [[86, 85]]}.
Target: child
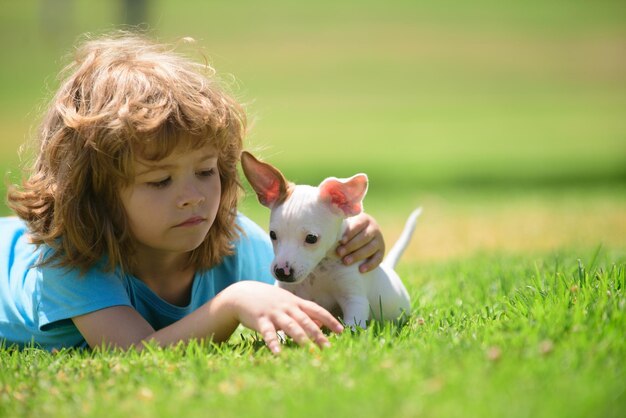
{"points": [[128, 228]]}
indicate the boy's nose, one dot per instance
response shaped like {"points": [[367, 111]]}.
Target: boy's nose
{"points": [[190, 197]]}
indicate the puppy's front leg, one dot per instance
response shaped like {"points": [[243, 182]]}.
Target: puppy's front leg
{"points": [[355, 309]]}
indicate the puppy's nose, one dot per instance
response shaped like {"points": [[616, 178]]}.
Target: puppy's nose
{"points": [[283, 274]]}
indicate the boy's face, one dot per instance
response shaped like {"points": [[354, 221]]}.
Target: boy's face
{"points": [[172, 203]]}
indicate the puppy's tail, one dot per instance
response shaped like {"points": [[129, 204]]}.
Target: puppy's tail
{"points": [[398, 248]]}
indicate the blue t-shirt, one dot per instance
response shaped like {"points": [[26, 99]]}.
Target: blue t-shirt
{"points": [[37, 303]]}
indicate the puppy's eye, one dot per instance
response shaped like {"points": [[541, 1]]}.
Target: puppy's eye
{"points": [[311, 239], [273, 235]]}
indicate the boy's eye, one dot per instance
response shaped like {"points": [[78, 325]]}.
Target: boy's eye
{"points": [[206, 173], [311, 239], [160, 184]]}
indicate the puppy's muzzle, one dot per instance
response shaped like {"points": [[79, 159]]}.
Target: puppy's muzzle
{"points": [[284, 274]]}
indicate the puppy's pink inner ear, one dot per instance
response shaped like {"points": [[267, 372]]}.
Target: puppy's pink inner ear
{"points": [[345, 196], [270, 192], [340, 201], [268, 183]]}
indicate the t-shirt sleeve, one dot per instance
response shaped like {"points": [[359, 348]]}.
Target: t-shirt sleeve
{"points": [[64, 293], [254, 252]]}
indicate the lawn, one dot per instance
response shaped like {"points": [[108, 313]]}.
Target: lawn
{"points": [[503, 120], [490, 336]]}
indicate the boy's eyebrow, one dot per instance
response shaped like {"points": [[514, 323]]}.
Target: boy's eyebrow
{"points": [[153, 167], [156, 166]]}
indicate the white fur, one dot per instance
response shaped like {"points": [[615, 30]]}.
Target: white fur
{"points": [[313, 271], [318, 273]]}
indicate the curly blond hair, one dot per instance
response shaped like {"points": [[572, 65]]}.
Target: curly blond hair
{"points": [[124, 96]]}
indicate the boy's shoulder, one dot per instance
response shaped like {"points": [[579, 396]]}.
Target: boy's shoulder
{"points": [[253, 252], [253, 241], [13, 232], [12, 224], [250, 229]]}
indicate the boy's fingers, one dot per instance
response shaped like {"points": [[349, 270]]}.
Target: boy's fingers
{"points": [[363, 253], [268, 333], [292, 328], [355, 243], [371, 263], [311, 328], [317, 313]]}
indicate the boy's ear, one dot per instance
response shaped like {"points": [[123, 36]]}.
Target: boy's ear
{"points": [[266, 180], [344, 196]]}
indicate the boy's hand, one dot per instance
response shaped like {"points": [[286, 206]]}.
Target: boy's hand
{"points": [[268, 309], [362, 241]]}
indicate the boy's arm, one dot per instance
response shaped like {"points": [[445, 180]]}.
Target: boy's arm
{"points": [[258, 306], [124, 327]]}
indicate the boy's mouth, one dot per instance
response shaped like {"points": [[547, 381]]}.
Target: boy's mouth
{"points": [[193, 221]]}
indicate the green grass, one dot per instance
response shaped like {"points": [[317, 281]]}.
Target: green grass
{"points": [[490, 336]]}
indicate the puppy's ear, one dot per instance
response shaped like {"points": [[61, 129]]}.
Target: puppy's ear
{"points": [[345, 196], [266, 180]]}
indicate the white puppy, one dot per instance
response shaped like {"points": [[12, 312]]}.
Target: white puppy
{"points": [[306, 223]]}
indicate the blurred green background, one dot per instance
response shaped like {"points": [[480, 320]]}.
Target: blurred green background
{"points": [[421, 95]]}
